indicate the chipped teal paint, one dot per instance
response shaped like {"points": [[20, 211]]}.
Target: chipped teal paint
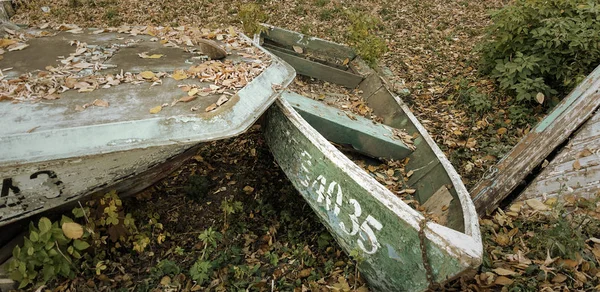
{"points": [[306, 166], [365, 136], [572, 97]]}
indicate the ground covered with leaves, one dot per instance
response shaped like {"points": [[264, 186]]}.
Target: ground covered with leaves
{"points": [[230, 220]]}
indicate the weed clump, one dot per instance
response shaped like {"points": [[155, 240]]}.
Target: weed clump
{"points": [[251, 16], [538, 48], [360, 34]]}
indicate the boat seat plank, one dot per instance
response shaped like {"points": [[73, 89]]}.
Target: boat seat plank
{"points": [[320, 71], [291, 38], [375, 140]]}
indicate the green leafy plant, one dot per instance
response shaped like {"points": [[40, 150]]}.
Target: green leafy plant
{"points": [[361, 36], [538, 48], [52, 249], [229, 207], [200, 271], [251, 15]]}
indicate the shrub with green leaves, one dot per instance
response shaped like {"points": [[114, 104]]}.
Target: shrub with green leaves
{"points": [[362, 38], [50, 250], [542, 46]]}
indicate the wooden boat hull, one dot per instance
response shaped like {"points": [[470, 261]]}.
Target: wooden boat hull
{"points": [[38, 187], [54, 154], [398, 249], [362, 214], [575, 171]]}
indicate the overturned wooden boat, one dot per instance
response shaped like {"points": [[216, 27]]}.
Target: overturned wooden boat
{"points": [[131, 123], [397, 247], [570, 134]]}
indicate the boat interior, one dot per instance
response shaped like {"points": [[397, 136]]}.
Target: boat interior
{"points": [[427, 171]]}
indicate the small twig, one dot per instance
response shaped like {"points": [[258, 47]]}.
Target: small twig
{"points": [[84, 214], [60, 251]]}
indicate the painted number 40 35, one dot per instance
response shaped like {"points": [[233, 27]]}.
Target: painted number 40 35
{"points": [[331, 197]]}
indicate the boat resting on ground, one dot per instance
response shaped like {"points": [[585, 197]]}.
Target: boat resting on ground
{"points": [[124, 122], [397, 247]]}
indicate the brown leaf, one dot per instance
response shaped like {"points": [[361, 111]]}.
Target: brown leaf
{"points": [[503, 281], [187, 98], [223, 99], [211, 107], [298, 49], [502, 131], [72, 230], [248, 189], [100, 102], [304, 273], [559, 278], [577, 165], [165, 281]]}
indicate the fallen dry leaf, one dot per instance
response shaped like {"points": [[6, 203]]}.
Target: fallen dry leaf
{"points": [[100, 102], [153, 56], [537, 205], [298, 49], [504, 272], [502, 131], [539, 97], [211, 107], [503, 281], [147, 74], [193, 91], [222, 99], [187, 98], [179, 75], [17, 47], [577, 165], [6, 42], [156, 109], [72, 230]]}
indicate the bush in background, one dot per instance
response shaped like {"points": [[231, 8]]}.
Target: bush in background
{"points": [[542, 46]]}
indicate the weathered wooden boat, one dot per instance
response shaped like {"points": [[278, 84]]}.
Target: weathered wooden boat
{"points": [[399, 248], [57, 150], [574, 170]]}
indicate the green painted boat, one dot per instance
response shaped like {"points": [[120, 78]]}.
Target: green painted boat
{"points": [[398, 247]]}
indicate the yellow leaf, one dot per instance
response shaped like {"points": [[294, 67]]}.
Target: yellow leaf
{"points": [[502, 131], [179, 75], [504, 272], [165, 281], [156, 109], [539, 98], [72, 230], [193, 91], [346, 61], [6, 42], [153, 56], [147, 75], [536, 205]]}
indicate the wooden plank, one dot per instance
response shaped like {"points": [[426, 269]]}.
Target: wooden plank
{"points": [[438, 205], [320, 71], [310, 44], [531, 151], [575, 171], [389, 235], [375, 140], [272, 47]]}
